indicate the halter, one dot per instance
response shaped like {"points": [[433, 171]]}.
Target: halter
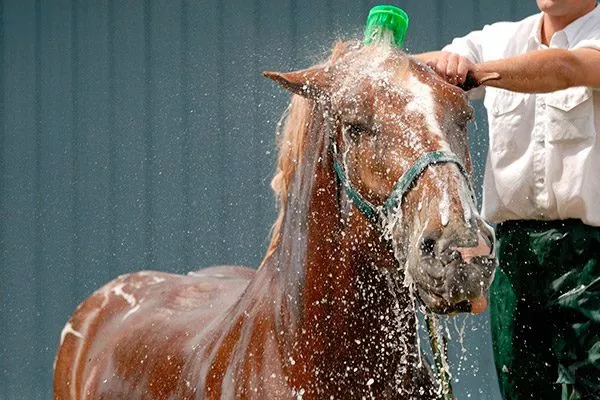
{"points": [[379, 214]]}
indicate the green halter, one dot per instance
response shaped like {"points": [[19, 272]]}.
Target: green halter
{"points": [[404, 184]]}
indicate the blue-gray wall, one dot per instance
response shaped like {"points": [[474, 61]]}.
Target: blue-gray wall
{"points": [[139, 134]]}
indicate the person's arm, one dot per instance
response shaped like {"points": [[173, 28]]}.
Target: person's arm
{"points": [[541, 71]]}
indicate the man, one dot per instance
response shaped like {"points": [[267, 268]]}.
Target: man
{"points": [[542, 189]]}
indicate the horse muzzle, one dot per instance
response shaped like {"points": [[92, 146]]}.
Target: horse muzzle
{"points": [[455, 277], [463, 288]]}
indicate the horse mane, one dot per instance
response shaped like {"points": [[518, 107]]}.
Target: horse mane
{"points": [[292, 133]]}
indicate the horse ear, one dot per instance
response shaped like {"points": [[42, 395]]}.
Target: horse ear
{"points": [[309, 82]]}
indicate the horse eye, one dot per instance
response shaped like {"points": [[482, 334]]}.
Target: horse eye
{"points": [[354, 130]]}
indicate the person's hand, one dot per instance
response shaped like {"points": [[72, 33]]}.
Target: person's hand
{"points": [[450, 66]]}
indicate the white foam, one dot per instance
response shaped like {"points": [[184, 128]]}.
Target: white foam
{"points": [[134, 309], [68, 329], [424, 103], [444, 208], [129, 298]]}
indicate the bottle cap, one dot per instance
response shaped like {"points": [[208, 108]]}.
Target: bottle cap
{"points": [[384, 18]]}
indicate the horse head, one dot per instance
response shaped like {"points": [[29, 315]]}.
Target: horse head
{"points": [[398, 135]]}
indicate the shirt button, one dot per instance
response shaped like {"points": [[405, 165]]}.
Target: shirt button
{"points": [[543, 106]]}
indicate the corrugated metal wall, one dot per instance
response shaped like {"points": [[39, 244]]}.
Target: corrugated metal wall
{"points": [[139, 134]]}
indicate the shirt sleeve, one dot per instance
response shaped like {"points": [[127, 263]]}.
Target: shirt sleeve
{"points": [[469, 46], [588, 44]]}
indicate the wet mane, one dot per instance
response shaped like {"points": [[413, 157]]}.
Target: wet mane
{"points": [[292, 131]]}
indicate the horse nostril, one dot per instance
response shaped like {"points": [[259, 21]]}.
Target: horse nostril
{"points": [[428, 247]]}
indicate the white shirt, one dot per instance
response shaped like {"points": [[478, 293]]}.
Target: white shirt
{"points": [[544, 155]]}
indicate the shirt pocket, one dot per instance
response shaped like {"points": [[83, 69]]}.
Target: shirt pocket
{"points": [[506, 113], [570, 115]]}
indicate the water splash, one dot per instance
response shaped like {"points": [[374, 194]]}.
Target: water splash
{"points": [[444, 208], [383, 37]]}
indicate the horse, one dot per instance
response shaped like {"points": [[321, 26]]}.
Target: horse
{"points": [[376, 210]]}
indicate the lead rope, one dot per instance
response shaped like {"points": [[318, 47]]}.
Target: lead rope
{"points": [[439, 347]]}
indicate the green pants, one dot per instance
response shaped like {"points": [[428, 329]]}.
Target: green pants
{"points": [[545, 310]]}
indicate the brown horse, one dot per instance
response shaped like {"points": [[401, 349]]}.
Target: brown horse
{"points": [[376, 205]]}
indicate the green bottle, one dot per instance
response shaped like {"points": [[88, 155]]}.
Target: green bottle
{"points": [[386, 24]]}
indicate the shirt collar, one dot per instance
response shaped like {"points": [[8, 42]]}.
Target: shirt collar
{"points": [[570, 31], [536, 32]]}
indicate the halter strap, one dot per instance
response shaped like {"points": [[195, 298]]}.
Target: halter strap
{"points": [[404, 184], [410, 177], [363, 205]]}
